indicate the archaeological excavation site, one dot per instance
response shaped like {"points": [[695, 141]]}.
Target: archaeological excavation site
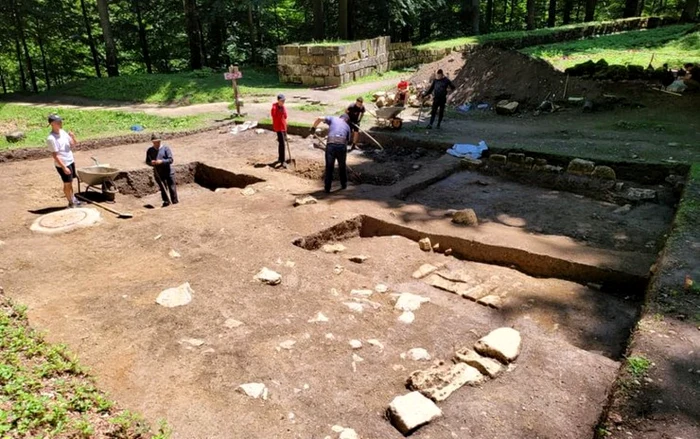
{"points": [[435, 297]]}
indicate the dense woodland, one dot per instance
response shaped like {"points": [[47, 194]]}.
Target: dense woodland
{"points": [[44, 43]]}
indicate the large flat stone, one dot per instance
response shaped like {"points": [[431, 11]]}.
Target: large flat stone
{"points": [[411, 411], [446, 285], [410, 302], [173, 297], [485, 365], [502, 344], [424, 270], [439, 382]]}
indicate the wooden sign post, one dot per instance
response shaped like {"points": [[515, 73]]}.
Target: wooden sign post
{"points": [[233, 75]]}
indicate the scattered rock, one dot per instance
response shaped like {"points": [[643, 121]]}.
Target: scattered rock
{"points": [[358, 259], [502, 344], [173, 297], [448, 251], [288, 344], [356, 344], [319, 318], [477, 292], [376, 343], [436, 247], [466, 217], [337, 428], [638, 194], [446, 285], [415, 167], [268, 276], [485, 365], [580, 167], [491, 301], [248, 191], [604, 173], [259, 131], [407, 317], [505, 108], [254, 390], [232, 323], [195, 342], [416, 354], [439, 382], [303, 201], [425, 244], [381, 288], [361, 293], [357, 359], [348, 433], [623, 210], [457, 276], [411, 411], [157, 237], [14, 137], [354, 306], [423, 271], [174, 254], [338, 269], [410, 302], [333, 248]]}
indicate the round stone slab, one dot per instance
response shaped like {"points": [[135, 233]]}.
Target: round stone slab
{"points": [[66, 220]]}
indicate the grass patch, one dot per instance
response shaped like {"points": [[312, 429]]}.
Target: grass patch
{"points": [[44, 392], [374, 77], [674, 45], [638, 365], [311, 108], [201, 86], [688, 214], [85, 124]]}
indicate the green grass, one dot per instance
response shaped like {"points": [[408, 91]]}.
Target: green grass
{"points": [[44, 392], [309, 108], [671, 44], [85, 124], [688, 214], [324, 43], [177, 88], [638, 365], [374, 77]]}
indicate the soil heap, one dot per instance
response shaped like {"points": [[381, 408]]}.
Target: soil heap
{"points": [[490, 74]]}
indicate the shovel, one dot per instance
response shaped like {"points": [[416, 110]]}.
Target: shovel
{"points": [[368, 135], [123, 215], [289, 152]]}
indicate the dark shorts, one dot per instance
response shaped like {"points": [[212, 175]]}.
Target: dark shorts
{"points": [[354, 126], [67, 178]]}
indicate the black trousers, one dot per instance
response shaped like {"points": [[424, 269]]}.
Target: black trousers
{"points": [[280, 146], [439, 109], [167, 186], [336, 151]]}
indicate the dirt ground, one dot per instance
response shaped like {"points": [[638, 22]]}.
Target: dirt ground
{"points": [[95, 290]]}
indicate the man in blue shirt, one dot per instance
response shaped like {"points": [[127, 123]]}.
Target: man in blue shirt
{"points": [[336, 148], [159, 157]]}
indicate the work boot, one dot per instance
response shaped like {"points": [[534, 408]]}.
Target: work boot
{"points": [[429, 127], [165, 204], [284, 165]]}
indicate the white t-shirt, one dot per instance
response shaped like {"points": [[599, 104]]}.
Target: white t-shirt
{"points": [[60, 143]]}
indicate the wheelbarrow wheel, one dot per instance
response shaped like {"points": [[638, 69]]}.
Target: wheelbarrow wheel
{"points": [[396, 123]]}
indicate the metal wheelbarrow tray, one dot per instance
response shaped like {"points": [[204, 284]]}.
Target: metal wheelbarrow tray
{"points": [[94, 176], [388, 117]]}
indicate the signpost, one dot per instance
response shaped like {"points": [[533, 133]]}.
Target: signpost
{"points": [[232, 75]]}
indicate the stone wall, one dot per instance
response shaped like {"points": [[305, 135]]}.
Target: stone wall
{"points": [[332, 65]]}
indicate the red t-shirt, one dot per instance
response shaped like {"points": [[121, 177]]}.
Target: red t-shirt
{"points": [[403, 85], [279, 118]]}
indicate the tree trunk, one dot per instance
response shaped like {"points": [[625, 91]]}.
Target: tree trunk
{"points": [[424, 28], [343, 19], [20, 67], [91, 41], [40, 41], [552, 15], [488, 22], [19, 20], [2, 81], [193, 35], [590, 10], [475, 16], [110, 47], [630, 8], [530, 14], [566, 13], [253, 36], [690, 11], [202, 43], [319, 21], [142, 36], [352, 12], [512, 11]]}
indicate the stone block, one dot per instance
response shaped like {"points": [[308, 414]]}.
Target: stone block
{"points": [[499, 159], [425, 244], [477, 292], [333, 81], [639, 194], [516, 158], [447, 285], [409, 412], [485, 365], [423, 271], [308, 80], [604, 173], [540, 162], [465, 217], [506, 108], [529, 161], [580, 167], [320, 81], [317, 50], [503, 344], [492, 301], [439, 382]]}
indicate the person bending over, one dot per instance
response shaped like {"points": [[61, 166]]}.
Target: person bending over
{"points": [[336, 148]]}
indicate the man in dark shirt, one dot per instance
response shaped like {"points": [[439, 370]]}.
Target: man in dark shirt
{"points": [[439, 90], [692, 77], [336, 149], [355, 112], [159, 157]]}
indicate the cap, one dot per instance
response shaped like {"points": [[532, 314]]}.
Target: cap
{"points": [[55, 118], [154, 137], [344, 117], [280, 97]]}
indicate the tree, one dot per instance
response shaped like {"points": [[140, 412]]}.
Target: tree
{"points": [[343, 19], [110, 47], [630, 8], [475, 16], [19, 23], [566, 13], [488, 22], [91, 41], [530, 22], [552, 14], [690, 11], [194, 36], [142, 36], [590, 10], [253, 34], [319, 21]]}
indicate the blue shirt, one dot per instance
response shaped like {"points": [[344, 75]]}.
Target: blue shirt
{"points": [[338, 130]]}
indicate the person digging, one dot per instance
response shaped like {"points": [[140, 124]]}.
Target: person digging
{"points": [[336, 148], [355, 114], [279, 126], [439, 91], [159, 157], [60, 144]]}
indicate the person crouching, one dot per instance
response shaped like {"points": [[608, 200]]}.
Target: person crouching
{"points": [[159, 157], [336, 147]]}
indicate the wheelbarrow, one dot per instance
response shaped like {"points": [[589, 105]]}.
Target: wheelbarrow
{"points": [[101, 176], [387, 117]]}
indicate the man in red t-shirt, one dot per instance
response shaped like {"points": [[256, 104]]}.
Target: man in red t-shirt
{"points": [[279, 125], [403, 93]]}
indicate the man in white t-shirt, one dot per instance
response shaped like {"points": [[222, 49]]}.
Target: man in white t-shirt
{"points": [[60, 143]]}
